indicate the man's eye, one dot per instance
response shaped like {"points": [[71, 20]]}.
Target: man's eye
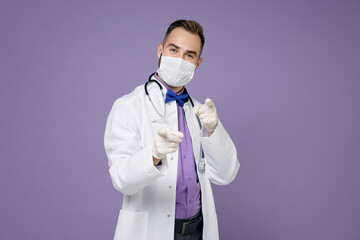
{"points": [[173, 50], [190, 56]]}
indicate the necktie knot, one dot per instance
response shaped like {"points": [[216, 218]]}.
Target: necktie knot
{"points": [[181, 99]]}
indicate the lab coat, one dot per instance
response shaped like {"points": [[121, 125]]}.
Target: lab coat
{"points": [[148, 208]]}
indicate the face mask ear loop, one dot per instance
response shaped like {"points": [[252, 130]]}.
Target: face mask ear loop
{"points": [[162, 50], [197, 64]]}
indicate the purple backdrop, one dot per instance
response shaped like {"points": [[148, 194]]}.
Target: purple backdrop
{"points": [[284, 76]]}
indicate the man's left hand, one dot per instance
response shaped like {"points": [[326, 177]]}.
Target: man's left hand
{"points": [[207, 114]]}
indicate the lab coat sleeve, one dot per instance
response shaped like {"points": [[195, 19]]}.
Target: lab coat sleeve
{"points": [[131, 166], [222, 164]]}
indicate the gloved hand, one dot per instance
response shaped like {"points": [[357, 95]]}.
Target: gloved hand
{"points": [[165, 142], [207, 114]]}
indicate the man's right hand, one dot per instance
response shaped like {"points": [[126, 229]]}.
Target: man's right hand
{"points": [[165, 142]]}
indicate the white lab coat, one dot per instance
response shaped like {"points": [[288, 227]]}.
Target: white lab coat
{"points": [[149, 193]]}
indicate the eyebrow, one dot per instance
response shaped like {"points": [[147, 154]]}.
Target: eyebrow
{"points": [[177, 47]]}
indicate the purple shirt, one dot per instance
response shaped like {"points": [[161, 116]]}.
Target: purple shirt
{"points": [[188, 201]]}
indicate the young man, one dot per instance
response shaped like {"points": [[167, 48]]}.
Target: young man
{"points": [[165, 149]]}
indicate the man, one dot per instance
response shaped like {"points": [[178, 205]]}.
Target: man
{"points": [[164, 151]]}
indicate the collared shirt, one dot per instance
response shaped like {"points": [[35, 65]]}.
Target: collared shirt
{"points": [[188, 202]]}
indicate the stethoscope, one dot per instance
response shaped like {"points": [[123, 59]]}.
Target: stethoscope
{"points": [[201, 165]]}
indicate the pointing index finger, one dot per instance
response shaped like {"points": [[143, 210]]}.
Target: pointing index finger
{"points": [[177, 134], [174, 136]]}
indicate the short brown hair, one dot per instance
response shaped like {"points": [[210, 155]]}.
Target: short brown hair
{"points": [[190, 26]]}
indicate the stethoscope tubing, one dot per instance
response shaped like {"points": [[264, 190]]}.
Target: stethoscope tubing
{"points": [[150, 80]]}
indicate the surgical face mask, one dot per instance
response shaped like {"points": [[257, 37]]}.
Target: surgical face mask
{"points": [[176, 72]]}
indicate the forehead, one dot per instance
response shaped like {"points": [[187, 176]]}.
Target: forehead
{"points": [[184, 39]]}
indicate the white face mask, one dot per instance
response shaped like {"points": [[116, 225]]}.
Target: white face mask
{"points": [[176, 72]]}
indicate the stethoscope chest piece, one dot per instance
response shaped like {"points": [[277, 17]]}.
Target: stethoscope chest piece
{"points": [[201, 166]]}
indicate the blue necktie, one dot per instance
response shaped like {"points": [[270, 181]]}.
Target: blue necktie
{"points": [[171, 96]]}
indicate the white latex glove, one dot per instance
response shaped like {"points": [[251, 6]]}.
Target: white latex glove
{"points": [[165, 142], [207, 114]]}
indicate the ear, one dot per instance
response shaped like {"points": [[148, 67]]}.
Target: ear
{"points": [[159, 50], [199, 62]]}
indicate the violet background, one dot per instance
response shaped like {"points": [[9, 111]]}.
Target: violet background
{"points": [[284, 76]]}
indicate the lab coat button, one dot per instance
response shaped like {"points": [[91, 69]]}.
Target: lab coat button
{"points": [[172, 158], [168, 215], [170, 186]]}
